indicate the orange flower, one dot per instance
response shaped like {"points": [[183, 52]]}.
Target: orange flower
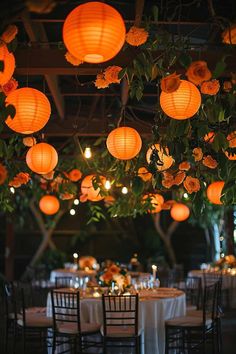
{"points": [[208, 161], [83, 198], [232, 139], [168, 204], [229, 35], [210, 87], [198, 72], [168, 180], [197, 154], [75, 175], [107, 276], [209, 137], [10, 86], [170, 83], [66, 196], [72, 60], [184, 166], [19, 179], [100, 81], [136, 36], [111, 74], [144, 174], [191, 184], [49, 176], [227, 86], [114, 269], [29, 141], [3, 173], [14, 183], [9, 34], [179, 178]]}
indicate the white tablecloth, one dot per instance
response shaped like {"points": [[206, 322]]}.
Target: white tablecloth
{"points": [[152, 315], [63, 272], [228, 282]]}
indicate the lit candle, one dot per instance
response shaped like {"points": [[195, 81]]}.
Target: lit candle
{"points": [[75, 256], [154, 271]]}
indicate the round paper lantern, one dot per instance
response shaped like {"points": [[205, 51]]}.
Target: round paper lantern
{"points": [[32, 110], [8, 60], [42, 158], [164, 157], [214, 191], [156, 200], [49, 204], [182, 103], [88, 189], [124, 143], [179, 212], [94, 32]]}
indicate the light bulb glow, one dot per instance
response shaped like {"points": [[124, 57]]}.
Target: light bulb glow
{"points": [[75, 255], [76, 202], [87, 153], [12, 189], [72, 211], [107, 185], [124, 190], [186, 195]]}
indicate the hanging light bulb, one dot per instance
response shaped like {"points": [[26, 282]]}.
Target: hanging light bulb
{"points": [[185, 195], [72, 211], [124, 190], [76, 201], [12, 189], [107, 185], [87, 153]]}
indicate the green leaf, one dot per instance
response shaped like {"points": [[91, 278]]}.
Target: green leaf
{"points": [[122, 73], [185, 60], [219, 69], [137, 186]]}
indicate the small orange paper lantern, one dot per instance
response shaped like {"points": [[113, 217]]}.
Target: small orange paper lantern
{"points": [[32, 110], [42, 158], [88, 189], [182, 103], [8, 60], [179, 212], [164, 157], [156, 200], [49, 204], [124, 143], [94, 32], [214, 192]]}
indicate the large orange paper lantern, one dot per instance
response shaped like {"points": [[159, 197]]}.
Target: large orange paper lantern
{"points": [[49, 204], [156, 200], [88, 190], [8, 60], [94, 32], [124, 143], [42, 158], [179, 212], [214, 192], [182, 103], [32, 110], [165, 160]]}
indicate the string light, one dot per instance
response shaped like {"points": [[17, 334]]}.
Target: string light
{"points": [[107, 185], [12, 190], [72, 211], [185, 195], [75, 255], [76, 201], [124, 190], [87, 153]]}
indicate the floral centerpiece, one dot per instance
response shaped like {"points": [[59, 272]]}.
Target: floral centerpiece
{"points": [[115, 276], [226, 262], [88, 262]]}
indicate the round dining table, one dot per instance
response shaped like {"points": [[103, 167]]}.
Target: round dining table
{"points": [[155, 307]]}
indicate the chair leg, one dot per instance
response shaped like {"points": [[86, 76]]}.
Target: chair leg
{"points": [[104, 346], [137, 345], [53, 343], [219, 336], [24, 341], [167, 341]]}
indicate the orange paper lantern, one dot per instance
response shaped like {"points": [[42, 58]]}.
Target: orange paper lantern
{"points": [[88, 190], [182, 103], [8, 60], [42, 158], [94, 32], [156, 200], [32, 110], [164, 157], [179, 212], [49, 204], [124, 143], [214, 192]]}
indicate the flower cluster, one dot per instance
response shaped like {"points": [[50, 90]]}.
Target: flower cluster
{"points": [[9, 87], [72, 59], [87, 262], [109, 76], [136, 36], [19, 179], [116, 275], [228, 261]]}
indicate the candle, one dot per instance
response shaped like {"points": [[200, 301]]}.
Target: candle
{"points": [[75, 256], [154, 272]]}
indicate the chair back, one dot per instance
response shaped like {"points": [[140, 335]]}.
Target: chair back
{"points": [[211, 302], [193, 290], [65, 308], [120, 311], [211, 277], [11, 303], [63, 282]]}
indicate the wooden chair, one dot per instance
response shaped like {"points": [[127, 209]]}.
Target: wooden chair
{"points": [[63, 282], [120, 321], [192, 332], [67, 327], [193, 291]]}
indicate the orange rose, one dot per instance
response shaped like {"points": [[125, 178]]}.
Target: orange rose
{"points": [[184, 166], [197, 154], [100, 82], [114, 269], [29, 141], [3, 173], [179, 178], [191, 184], [208, 161], [49, 176], [136, 36], [83, 198], [170, 83], [210, 87], [75, 175], [232, 139], [229, 35], [10, 86], [227, 86], [72, 60], [209, 137], [198, 72], [19, 179], [107, 277], [168, 180], [144, 174], [9, 34], [111, 74], [66, 196], [14, 183], [168, 204]]}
